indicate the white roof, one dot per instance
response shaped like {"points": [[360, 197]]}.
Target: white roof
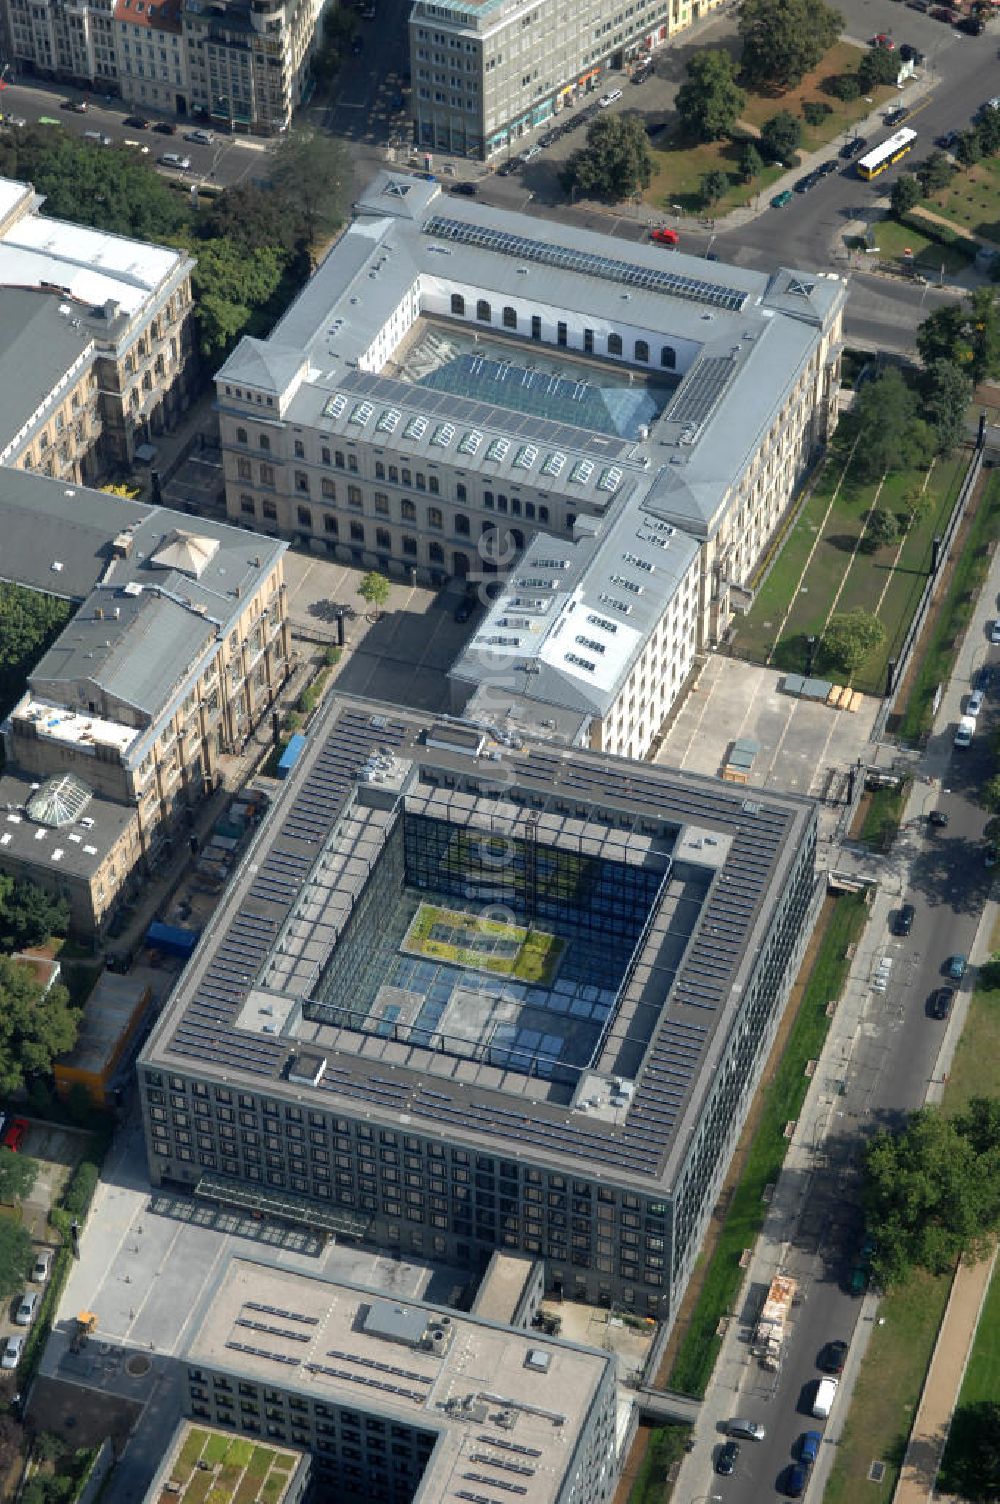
{"points": [[92, 266]]}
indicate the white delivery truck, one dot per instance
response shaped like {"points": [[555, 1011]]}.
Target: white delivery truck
{"points": [[826, 1393]]}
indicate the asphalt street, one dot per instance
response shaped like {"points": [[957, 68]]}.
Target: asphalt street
{"points": [[229, 159], [885, 1062]]}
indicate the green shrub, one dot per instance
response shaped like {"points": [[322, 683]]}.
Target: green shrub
{"points": [[844, 86], [81, 1188], [815, 111]]}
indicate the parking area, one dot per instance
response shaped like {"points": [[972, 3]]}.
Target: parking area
{"points": [[799, 742]]}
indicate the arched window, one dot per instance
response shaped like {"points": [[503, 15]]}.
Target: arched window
{"points": [[614, 344], [510, 318], [407, 510], [668, 357], [457, 303], [483, 312], [641, 350], [434, 518]]}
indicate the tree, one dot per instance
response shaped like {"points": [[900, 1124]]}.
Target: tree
{"points": [[987, 129], [780, 137], [878, 66], [970, 1468], [890, 433], [28, 914], [967, 335], [906, 194], [933, 1189], [991, 831], [615, 163], [374, 589], [233, 288], [16, 1256], [18, 1174], [29, 623], [849, 638], [33, 1029], [784, 39], [713, 185], [815, 111], [844, 86], [751, 162], [935, 172], [711, 101], [989, 794], [880, 530], [312, 173], [969, 148], [946, 393]]}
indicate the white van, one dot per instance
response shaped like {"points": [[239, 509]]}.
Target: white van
{"points": [[965, 730], [826, 1393]]}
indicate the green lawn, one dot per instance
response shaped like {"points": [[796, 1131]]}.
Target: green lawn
{"points": [[679, 168], [664, 1448], [929, 256], [530, 955], [969, 572], [820, 557], [885, 1397], [974, 1067], [982, 1377], [782, 1101], [972, 200]]}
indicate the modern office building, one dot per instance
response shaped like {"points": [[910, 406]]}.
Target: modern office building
{"points": [[413, 1402], [179, 643], [470, 993], [486, 73], [98, 354], [457, 378]]}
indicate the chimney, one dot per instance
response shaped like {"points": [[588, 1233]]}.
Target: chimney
{"points": [[99, 613]]}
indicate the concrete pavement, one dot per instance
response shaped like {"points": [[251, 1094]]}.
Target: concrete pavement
{"points": [[737, 1381], [943, 1383]]}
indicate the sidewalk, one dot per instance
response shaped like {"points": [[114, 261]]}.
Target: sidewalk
{"points": [[943, 1383], [842, 1095]]}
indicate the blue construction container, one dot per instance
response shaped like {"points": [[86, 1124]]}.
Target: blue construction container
{"points": [[291, 754]]}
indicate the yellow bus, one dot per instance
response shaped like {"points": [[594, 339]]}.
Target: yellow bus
{"points": [[877, 160]]}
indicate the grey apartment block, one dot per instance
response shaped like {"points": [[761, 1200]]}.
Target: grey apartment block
{"points": [[323, 1059]]}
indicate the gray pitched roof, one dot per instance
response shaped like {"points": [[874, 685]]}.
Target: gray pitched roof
{"points": [[39, 345]]}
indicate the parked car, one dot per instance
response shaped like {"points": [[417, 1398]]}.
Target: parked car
{"points": [[904, 919], [955, 966], [911, 54], [200, 138], [974, 704], [973, 26], [611, 97], [832, 1356], [178, 163], [533, 151], [826, 168], [938, 819], [897, 116], [97, 138], [511, 165], [468, 190], [78, 106], [781, 199], [139, 146], [804, 184], [995, 632], [13, 1352], [136, 122], [42, 1266], [793, 1480], [747, 1430], [809, 1444], [947, 141], [853, 148], [26, 1308], [165, 128], [883, 39], [826, 1393], [940, 1001], [13, 1136], [944, 13], [664, 235], [725, 1462]]}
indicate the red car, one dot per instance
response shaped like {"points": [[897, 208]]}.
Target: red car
{"points": [[14, 1136], [882, 39], [664, 236]]}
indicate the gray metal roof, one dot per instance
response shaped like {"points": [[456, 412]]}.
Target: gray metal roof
{"points": [[575, 616], [737, 854], [742, 339], [40, 344]]}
